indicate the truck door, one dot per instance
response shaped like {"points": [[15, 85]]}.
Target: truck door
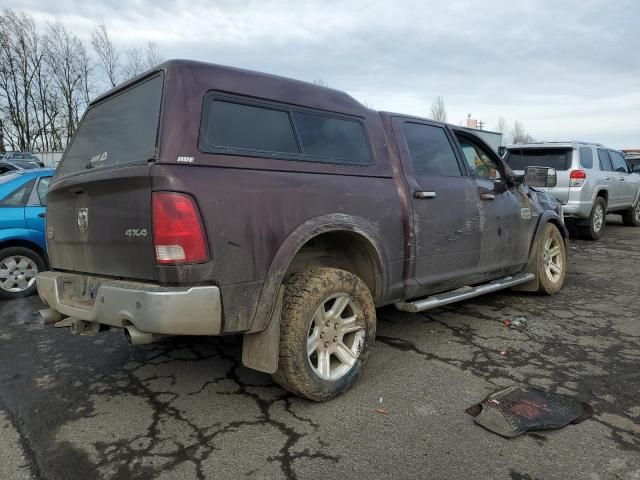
{"points": [[445, 202], [507, 221]]}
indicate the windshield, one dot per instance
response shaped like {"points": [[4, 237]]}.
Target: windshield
{"points": [[120, 130], [25, 163], [558, 158]]}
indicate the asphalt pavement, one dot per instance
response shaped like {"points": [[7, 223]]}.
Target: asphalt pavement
{"points": [[94, 407]]}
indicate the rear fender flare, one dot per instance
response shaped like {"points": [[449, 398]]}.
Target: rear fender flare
{"points": [[292, 245], [260, 348]]}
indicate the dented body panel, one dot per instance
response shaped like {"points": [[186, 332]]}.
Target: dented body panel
{"points": [[265, 216]]}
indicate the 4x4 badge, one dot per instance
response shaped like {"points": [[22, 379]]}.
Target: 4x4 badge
{"points": [[83, 220]]}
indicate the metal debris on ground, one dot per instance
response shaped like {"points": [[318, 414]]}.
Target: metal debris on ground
{"points": [[518, 409], [519, 323]]}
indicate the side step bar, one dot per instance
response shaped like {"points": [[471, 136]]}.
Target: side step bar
{"points": [[463, 293]]}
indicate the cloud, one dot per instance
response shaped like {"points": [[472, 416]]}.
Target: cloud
{"points": [[565, 69]]}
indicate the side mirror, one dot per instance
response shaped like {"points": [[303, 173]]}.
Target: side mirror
{"points": [[540, 177], [636, 168]]}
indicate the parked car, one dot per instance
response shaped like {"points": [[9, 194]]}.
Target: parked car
{"points": [[23, 158], [592, 181], [205, 200], [22, 243], [15, 164], [633, 159]]}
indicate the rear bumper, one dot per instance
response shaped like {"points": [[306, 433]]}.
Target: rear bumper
{"points": [[149, 307], [577, 209]]}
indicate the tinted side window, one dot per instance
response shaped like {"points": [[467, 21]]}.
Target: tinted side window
{"points": [[247, 127], [331, 138], [586, 157], [618, 162], [430, 150], [605, 161], [19, 197]]}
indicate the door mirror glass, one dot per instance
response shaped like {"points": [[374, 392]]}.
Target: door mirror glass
{"points": [[540, 177]]}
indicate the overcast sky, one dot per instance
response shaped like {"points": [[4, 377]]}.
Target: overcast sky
{"points": [[565, 69]]}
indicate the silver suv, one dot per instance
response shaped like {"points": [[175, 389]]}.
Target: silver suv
{"points": [[592, 181]]}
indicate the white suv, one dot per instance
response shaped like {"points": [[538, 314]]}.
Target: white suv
{"points": [[592, 181]]}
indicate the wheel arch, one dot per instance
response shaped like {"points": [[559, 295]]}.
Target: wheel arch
{"points": [[316, 243], [548, 216], [24, 243]]}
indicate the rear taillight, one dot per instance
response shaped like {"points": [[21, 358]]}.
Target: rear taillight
{"points": [[577, 178], [177, 229]]}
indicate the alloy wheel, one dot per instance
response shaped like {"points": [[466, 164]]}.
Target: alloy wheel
{"points": [[17, 273], [553, 261], [335, 337], [598, 218]]}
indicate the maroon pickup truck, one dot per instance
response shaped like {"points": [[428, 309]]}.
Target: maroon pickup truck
{"points": [[198, 199]]}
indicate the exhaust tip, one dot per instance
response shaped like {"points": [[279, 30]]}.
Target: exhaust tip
{"points": [[133, 336]]}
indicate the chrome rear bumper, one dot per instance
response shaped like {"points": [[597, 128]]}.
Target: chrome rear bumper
{"points": [[149, 307]]}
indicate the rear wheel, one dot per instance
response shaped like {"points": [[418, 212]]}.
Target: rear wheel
{"points": [[327, 328], [597, 220], [18, 269], [552, 260], [631, 217]]}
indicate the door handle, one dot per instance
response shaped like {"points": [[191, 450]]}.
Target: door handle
{"points": [[487, 196], [622, 179], [42, 214], [607, 178], [422, 194]]}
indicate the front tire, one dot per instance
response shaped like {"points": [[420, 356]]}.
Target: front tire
{"points": [[327, 328], [18, 269], [551, 265]]}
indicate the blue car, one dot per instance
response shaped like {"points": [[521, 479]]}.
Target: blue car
{"points": [[23, 250]]}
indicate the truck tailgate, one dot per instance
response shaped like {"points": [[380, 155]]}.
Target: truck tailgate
{"points": [[100, 223]]}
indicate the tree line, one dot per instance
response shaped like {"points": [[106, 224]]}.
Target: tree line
{"points": [[517, 133], [48, 76]]}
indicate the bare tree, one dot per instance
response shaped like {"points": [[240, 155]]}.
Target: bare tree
{"points": [[47, 79], [320, 82], [20, 54], [152, 55], [134, 62], [501, 125], [68, 60], [108, 57], [438, 110], [519, 134]]}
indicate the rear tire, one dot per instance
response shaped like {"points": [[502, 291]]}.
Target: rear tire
{"points": [[631, 217], [327, 328], [551, 260], [597, 220], [18, 269]]}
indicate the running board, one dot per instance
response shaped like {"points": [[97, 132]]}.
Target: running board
{"points": [[463, 293]]}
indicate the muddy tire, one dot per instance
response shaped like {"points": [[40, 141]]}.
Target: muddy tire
{"points": [[597, 221], [551, 267], [631, 217], [327, 328], [18, 269]]}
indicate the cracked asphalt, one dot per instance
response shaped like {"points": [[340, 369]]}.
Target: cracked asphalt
{"points": [[94, 407]]}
